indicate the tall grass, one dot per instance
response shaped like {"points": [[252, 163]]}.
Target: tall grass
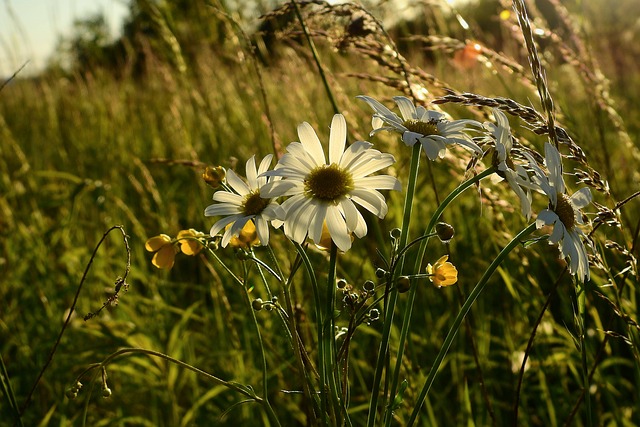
{"points": [[81, 153]]}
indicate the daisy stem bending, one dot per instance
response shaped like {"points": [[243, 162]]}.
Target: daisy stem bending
{"points": [[453, 330], [412, 290], [391, 294]]}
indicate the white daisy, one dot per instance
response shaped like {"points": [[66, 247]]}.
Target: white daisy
{"points": [[327, 192], [244, 204], [515, 175], [430, 128], [563, 213]]}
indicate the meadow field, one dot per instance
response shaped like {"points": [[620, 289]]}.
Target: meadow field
{"points": [[108, 148]]}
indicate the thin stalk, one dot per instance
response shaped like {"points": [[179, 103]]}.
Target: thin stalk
{"points": [[264, 265], [329, 336], [297, 347], [316, 57], [265, 372], [473, 296], [278, 276], [120, 282], [226, 268], [319, 325], [239, 281], [247, 392], [7, 390], [582, 319], [392, 291], [527, 350], [412, 292]]}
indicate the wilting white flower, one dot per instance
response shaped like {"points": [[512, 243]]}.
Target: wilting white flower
{"points": [[245, 204], [324, 192], [430, 128], [563, 213], [515, 175]]}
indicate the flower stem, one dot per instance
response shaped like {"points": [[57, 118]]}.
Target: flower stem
{"points": [[412, 292], [316, 57], [473, 296], [389, 306], [7, 390], [265, 372], [319, 331], [329, 337], [244, 390], [582, 328], [298, 350]]}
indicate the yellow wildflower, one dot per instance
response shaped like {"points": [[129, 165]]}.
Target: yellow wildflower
{"points": [[165, 251], [214, 176], [325, 238], [443, 273], [188, 244], [248, 236]]}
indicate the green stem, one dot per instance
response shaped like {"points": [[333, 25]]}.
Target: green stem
{"points": [[319, 325], [248, 392], [316, 57], [265, 372], [260, 263], [7, 390], [264, 265], [473, 296], [582, 328], [417, 268], [297, 347], [392, 292], [329, 336], [226, 268]]}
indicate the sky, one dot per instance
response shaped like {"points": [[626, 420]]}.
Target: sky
{"points": [[30, 29]]}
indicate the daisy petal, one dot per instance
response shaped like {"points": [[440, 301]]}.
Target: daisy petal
{"points": [[311, 143], [338, 229], [337, 138], [581, 198], [407, 109]]}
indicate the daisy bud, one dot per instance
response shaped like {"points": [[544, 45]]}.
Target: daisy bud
{"points": [[395, 233], [380, 273], [341, 284]]}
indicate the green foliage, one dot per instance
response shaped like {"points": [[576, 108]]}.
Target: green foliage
{"points": [[122, 137]]}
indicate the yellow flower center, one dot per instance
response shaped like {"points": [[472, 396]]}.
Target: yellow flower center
{"points": [[564, 210], [254, 204], [328, 183], [423, 128]]}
